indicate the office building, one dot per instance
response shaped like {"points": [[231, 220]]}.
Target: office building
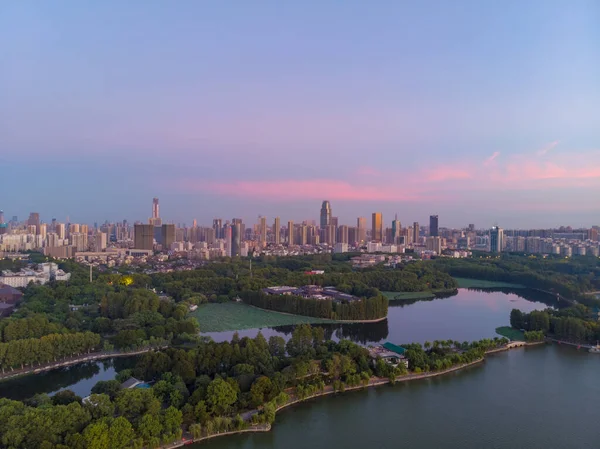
{"points": [[433, 226], [277, 231], [143, 236], [100, 241], [334, 222], [325, 214], [376, 227], [496, 239]]}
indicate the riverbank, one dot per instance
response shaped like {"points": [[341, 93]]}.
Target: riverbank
{"points": [[94, 356]]}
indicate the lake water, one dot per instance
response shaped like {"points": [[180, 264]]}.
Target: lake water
{"points": [[540, 397], [469, 315]]}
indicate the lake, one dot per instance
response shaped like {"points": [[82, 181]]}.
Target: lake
{"points": [[538, 397], [469, 315]]}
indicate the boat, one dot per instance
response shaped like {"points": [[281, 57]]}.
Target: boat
{"points": [[595, 349]]}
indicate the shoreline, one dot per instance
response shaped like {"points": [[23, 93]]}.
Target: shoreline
{"points": [[326, 320], [91, 357]]}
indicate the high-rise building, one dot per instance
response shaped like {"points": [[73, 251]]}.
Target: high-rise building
{"points": [[100, 241], [434, 243], [236, 239], [277, 231], [433, 226], [416, 232], [302, 238], [396, 230], [376, 227], [1, 217], [167, 236], [342, 234], [60, 230], [228, 237], [334, 221], [290, 233], [352, 235], [361, 230], [218, 227], [155, 208], [325, 214], [262, 229], [143, 237], [330, 232], [496, 239], [43, 229], [34, 220]]}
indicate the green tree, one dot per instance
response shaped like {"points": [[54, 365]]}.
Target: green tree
{"points": [[220, 396], [121, 433]]}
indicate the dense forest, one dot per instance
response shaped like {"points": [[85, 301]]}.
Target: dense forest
{"points": [[575, 324], [571, 278], [206, 389], [372, 308]]}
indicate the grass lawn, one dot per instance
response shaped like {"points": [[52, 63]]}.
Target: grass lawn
{"points": [[480, 283], [231, 316], [509, 332], [401, 296]]}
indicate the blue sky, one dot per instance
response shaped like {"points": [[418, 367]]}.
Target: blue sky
{"points": [[478, 111]]}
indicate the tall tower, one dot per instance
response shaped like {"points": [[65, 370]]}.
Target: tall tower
{"points": [[218, 227], [496, 239], [377, 227], [325, 215], [433, 226], [277, 231], [263, 229], [1, 217], [416, 232], [396, 230], [236, 239], [155, 209], [290, 233], [361, 230]]}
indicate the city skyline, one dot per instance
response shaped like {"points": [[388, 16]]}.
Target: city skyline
{"points": [[490, 117]]}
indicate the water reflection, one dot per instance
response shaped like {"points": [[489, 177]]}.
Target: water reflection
{"points": [[79, 378]]}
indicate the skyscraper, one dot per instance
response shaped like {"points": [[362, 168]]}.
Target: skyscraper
{"points": [[496, 239], [396, 230], [325, 214], [262, 227], [361, 230], [34, 220], [155, 209], [342, 234], [416, 232], [167, 236], [433, 226], [376, 227], [218, 227], [1, 217], [277, 231], [143, 237], [236, 239], [290, 233]]}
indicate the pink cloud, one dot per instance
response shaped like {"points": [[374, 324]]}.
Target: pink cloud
{"points": [[306, 189], [367, 171], [447, 173], [544, 150], [491, 159]]}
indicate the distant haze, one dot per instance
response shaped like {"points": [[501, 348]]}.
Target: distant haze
{"points": [[480, 112]]}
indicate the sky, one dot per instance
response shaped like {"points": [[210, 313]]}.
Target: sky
{"points": [[481, 112]]}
